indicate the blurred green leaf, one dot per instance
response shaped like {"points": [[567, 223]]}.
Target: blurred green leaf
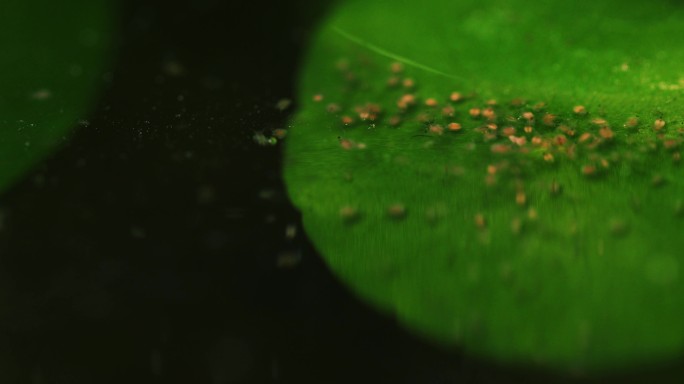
{"points": [[54, 55]]}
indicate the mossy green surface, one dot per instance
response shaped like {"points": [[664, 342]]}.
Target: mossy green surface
{"points": [[54, 54], [586, 279]]}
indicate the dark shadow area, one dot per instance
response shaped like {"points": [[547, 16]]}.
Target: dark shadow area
{"points": [[152, 247]]}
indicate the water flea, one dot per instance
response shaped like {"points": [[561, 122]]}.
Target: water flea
{"points": [[393, 82], [586, 136], [659, 124], [539, 106], [408, 83], [508, 131], [431, 102], [529, 116], [492, 127], [394, 121], [396, 211], [548, 157], [532, 214], [492, 169], [500, 148], [347, 120], [579, 110], [519, 141], [528, 129], [318, 97], [406, 101], [489, 114], [589, 170], [516, 226]]}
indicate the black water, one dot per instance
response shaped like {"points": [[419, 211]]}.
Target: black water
{"points": [[147, 248]]}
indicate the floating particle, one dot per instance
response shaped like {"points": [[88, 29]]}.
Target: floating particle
{"points": [[396, 67], [435, 214], [549, 119], [288, 259], [676, 157], [283, 104], [454, 127], [658, 125], [333, 108], [409, 83], [349, 214], [475, 113], [280, 133], [579, 110], [606, 133], [436, 129], [431, 102], [529, 116], [361, 146], [448, 111], [556, 188], [456, 97], [632, 122], [318, 97], [657, 181], [521, 198], [480, 221], [396, 211], [290, 231]]}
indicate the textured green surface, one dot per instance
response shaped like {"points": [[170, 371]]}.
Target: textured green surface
{"points": [[588, 279], [53, 57]]}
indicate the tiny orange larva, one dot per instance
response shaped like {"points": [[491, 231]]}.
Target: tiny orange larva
{"points": [[580, 110], [431, 102], [436, 129], [396, 67], [480, 221], [492, 127], [454, 127], [455, 97]]}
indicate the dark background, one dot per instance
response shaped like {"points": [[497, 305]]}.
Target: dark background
{"points": [[150, 247]]}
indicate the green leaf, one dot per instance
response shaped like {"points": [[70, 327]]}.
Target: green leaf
{"points": [[562, 250], [54, 54]]}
